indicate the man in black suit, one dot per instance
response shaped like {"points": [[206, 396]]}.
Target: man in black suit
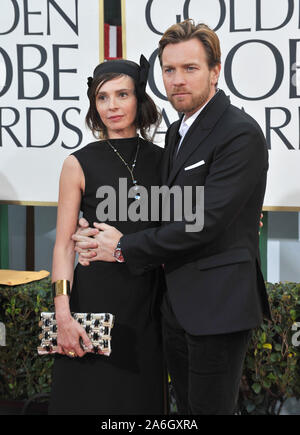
{"points": [[215, 289]]}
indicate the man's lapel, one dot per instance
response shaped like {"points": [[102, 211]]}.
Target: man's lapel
{"points": [[199, 130], [171, 142]]}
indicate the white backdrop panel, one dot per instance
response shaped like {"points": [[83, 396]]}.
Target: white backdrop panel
{"points": [[42, 110], [260, 43]]}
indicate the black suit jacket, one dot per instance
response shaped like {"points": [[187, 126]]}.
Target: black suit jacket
{"points": [[213, 277]]}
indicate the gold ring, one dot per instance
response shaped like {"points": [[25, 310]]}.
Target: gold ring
{"points": [[71, 354]]}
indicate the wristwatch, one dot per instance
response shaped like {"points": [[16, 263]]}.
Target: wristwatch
{"points": [[118, 253]]}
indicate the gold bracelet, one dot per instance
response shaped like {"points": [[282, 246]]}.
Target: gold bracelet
{"points": [[61, 287]]}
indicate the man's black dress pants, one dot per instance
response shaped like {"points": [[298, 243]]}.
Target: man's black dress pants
{"points": [[205, 370]]}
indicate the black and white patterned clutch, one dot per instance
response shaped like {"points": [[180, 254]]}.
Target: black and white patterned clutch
{"points": [[97, 326]]}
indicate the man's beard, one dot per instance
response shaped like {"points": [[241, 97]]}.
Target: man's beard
{"points": [[193, 104]]}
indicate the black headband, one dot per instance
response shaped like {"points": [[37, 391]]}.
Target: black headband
{"points": [[139, 73]]}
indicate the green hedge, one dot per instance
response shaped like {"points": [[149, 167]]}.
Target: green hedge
{"points": [[272, 365], [271, 372], [23, 372]]}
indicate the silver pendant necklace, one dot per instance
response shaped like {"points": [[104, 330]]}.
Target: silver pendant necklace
{"points": [[134, 181]]}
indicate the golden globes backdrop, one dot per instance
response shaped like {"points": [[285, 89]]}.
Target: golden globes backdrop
{"points": [[48, 48], [260, 42]]}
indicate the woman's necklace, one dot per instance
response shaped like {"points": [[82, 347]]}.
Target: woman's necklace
{"points": [[134, 181]]}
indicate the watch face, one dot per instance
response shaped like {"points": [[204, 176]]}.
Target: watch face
{"points": [[118, 255]]}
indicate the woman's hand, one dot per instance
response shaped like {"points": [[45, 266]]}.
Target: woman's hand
{"points": [[85, 242], [69, 332]]}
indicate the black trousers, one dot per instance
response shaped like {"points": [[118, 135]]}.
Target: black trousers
{"points": [[205, 370]]}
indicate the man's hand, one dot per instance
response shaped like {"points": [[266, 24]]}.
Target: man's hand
{"points": [[107, 239], [95, 244]]}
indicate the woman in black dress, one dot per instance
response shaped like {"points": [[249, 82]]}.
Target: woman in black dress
{"points": [[131, 379]]}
